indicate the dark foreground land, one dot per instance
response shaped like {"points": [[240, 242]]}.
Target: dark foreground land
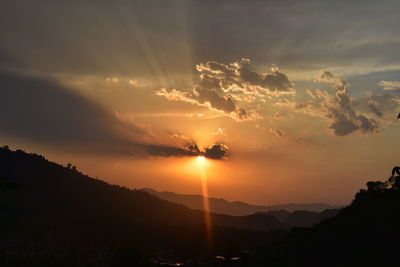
{"points": [[52, 215]]}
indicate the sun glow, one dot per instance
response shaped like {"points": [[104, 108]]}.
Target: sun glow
{"points": [[201, 162]]}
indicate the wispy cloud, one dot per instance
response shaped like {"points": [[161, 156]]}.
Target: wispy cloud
{"points": [[390, 85]]}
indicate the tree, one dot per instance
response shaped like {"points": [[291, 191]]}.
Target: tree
{"points": [[376, 186]]}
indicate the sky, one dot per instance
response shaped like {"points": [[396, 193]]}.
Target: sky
{"points": [[289, 101]]}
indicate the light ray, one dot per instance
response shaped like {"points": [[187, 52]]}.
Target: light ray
{"points": [[202, 161]]}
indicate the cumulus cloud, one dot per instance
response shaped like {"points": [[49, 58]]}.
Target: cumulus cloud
{"points": [[383, 106], [240, 75], [222, 87], [344, 112], [340, 109], [41, 110], [217, 151]]}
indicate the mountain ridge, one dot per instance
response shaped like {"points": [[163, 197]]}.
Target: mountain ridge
{"points": [[41, 179], [235, 208]]}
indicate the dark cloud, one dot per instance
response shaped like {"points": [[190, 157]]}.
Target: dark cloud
{"points": [[43, 111], [158, 36], [220, 84], [341, 110], [342, 125], [217, 151], [165, 151], [216, 101], [205, 97], [326, 76], [374, 107], [240, 74], [347, 114], [344, 112], [383, 106]]}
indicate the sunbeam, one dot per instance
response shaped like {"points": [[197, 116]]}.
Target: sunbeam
{"points": [[202, 162]]}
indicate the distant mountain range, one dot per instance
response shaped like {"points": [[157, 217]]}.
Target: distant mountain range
{"points": [[236, 208], [301, 218]]}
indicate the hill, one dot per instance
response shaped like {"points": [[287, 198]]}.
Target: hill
{"points": [[301, 218], [55, 209], [365, 233], [236, 208]]}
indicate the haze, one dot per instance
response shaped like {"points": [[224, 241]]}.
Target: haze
{"points": [[289, 101]]}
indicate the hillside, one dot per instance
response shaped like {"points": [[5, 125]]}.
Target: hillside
{"points": [[301, 218], [236, 208], [363, 234], [55, 207]]}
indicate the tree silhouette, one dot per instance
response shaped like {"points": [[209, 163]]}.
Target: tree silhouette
{"points": [[376, 186], [395, 170]]}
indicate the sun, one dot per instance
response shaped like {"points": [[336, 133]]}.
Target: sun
{"points": [[201, 160]]}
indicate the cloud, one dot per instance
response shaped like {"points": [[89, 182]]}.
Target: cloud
{"points": [[278, 133], [240, 75], [374, 107], [341, 111], [168, 151], [41, 110], [207, 98], [384, 107], [222, 86], [390, 85], [288, 33], [326, 76], [217, 151]]}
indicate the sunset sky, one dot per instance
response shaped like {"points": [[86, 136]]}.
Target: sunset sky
{"points": [[301, 96]]}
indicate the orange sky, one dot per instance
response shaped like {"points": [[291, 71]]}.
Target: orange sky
{"points": [[304, 96]]}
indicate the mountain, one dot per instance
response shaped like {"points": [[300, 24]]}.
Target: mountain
{"points": [[52, 215], [52, 209], [301, 218], [365, 233], [235, 208]]}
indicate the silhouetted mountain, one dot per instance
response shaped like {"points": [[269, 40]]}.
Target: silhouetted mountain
{"points": [[365, 233], [52, 215], [236, 208], [301, 218], [296, 218], [57, 209]]}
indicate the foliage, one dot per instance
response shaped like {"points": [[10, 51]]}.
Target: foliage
{"points": [[362, 234]]}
